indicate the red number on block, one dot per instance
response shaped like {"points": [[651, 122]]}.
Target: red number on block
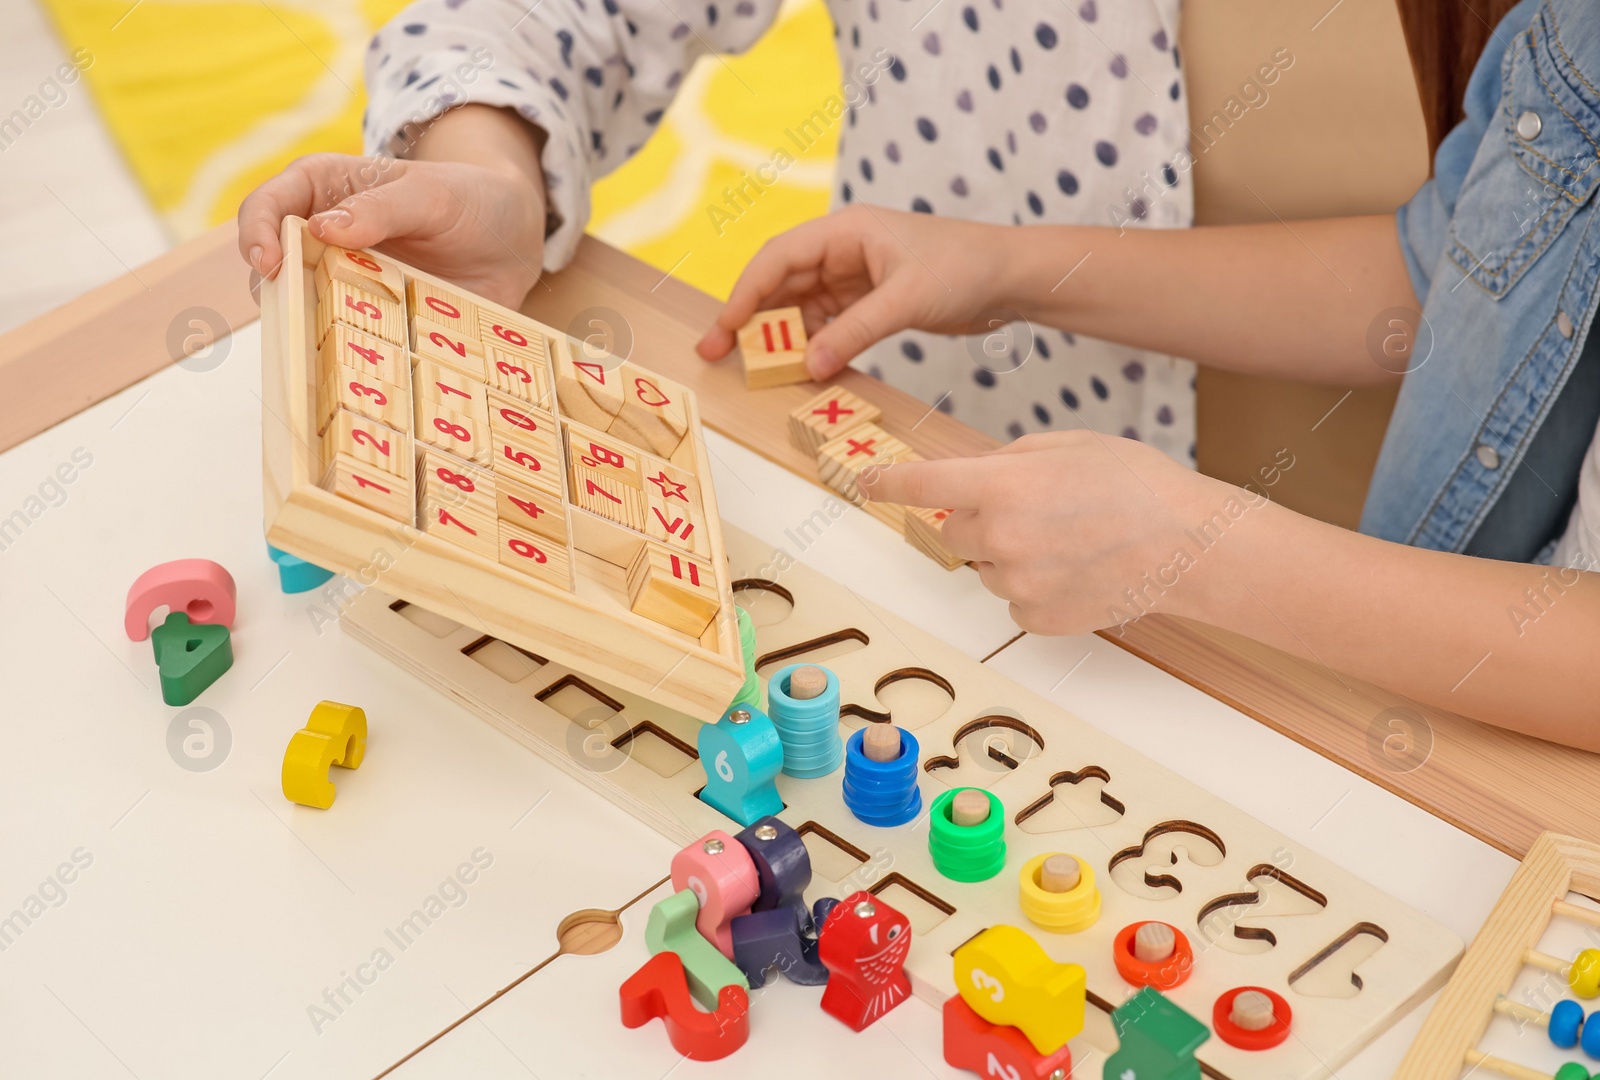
{"points": [[363, 262], [523, 458], [594, 489], [532, 509], [446, 519], [452, 429], [380, 445], [525, 549], [369, 310], [456, 479], [364, 482], [512, 369], [505, 333], [371, 356], [443, 307], [378, 396], [521, 420], [457, 347], [452, 390]]}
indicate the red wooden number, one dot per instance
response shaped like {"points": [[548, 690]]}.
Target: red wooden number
{"points": [[363, 262], [532, 509], [446, 519], [505, 333], [455, 479], [371, 356], [457, 347], [443, 307], [364, 482], [380, 445], [512, 369], [521, 420], [525, 549], [523, 458], [378, 396], [454, 430], [594, 489], [443, 389], [369, 310]]}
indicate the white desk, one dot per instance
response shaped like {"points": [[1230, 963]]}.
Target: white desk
{"points": [[214, 912]]}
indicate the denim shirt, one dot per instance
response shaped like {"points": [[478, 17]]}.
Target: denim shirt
{"points": [[1504, 246]]}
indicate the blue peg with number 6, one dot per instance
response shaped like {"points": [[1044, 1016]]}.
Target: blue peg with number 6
{"points": [[742, 755]]}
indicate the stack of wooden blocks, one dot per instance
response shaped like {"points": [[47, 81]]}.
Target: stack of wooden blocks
{"points": [[506, 438]]}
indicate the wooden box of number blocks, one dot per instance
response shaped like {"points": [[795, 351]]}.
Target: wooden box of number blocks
{"points": [[472, 461]]}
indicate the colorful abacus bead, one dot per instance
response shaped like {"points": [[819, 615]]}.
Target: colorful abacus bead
{"points": [[1051, 901], [882, 793], [807, 722], [964, 852], [1566, 1020], [1152, 954]]}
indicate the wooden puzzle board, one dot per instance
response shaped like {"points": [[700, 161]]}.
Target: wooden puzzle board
{"points": [[374, 474], [1258, 908]]}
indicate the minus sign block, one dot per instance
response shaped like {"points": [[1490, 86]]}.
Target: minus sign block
{"points": [[673, 588]]}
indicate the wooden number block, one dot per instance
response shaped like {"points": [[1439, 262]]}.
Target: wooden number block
{"points": [[829, 415], [517, 334], [363, 394], [605, 495], [532, 461], [654, 411], [676, 524], [373, 488], [673, 588], [463, 526], [364, 269], [536, 556], [841, 462], [449, 347], [366, 311], [531, 508], [774, 348], [515, 419], [370, 443], [433, 381], [458, 486], [925, 532], [458, 433], [348, 347], [604, 454], [526, 378], [588, 385], [443, 307]]}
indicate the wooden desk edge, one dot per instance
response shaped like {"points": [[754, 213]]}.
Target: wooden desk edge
{"points": [[1500, 787]]}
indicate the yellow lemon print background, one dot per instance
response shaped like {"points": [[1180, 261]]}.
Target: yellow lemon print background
{"points": [[208, 98]]}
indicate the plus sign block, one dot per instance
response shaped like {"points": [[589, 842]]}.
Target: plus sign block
{"points": [[841, 461], [827, 416], [774, 348], [1156, 1040], [925, 532]]}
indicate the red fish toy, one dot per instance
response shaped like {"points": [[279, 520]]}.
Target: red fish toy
{"points": [[863, 945]]}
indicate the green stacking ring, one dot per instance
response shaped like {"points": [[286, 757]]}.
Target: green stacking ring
{"points": [[967, 852]]}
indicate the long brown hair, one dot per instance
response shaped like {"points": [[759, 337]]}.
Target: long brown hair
{"points": [[1445, 39]]}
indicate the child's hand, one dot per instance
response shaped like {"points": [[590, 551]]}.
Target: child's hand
{"points": [[480, 227], [1062, 523], [873, 272]]}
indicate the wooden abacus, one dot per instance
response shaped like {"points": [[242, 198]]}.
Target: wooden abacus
{"points": [[1537, 893], [495, 471]]}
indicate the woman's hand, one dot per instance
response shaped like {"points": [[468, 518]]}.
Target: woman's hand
{"points": [[872, 272], [479, 227], [1065, 524]]}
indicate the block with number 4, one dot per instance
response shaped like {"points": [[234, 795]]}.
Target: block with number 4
{"points": [[347, 347], [673, 588], [774, 348], [531, 508]]}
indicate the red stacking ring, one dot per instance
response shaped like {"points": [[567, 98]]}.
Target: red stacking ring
{"points": [[1162, 974], [1245, 1039]]}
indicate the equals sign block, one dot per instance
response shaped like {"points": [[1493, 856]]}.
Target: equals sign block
{"points": [[774, 348]]}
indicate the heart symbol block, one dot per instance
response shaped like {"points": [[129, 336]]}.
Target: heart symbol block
{"points": [[190, 656], [645, 390]]}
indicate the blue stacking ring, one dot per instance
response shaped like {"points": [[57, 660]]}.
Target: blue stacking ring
{"points": [[809, 729], [882, 793]]}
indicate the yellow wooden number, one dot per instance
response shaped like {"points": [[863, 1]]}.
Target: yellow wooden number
{"points": [[334, 735]]}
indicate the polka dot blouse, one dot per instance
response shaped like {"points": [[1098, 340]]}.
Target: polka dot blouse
{"points": [[1001, 111]]}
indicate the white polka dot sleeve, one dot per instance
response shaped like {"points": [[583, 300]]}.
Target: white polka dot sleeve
{"points": [[596, 75]]}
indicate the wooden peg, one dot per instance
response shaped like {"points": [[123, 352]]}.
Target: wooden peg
{"points": [[1059, 874], [807, 682], [879, 742], [969, 807], [1252, 1010], [1153, 942]]}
